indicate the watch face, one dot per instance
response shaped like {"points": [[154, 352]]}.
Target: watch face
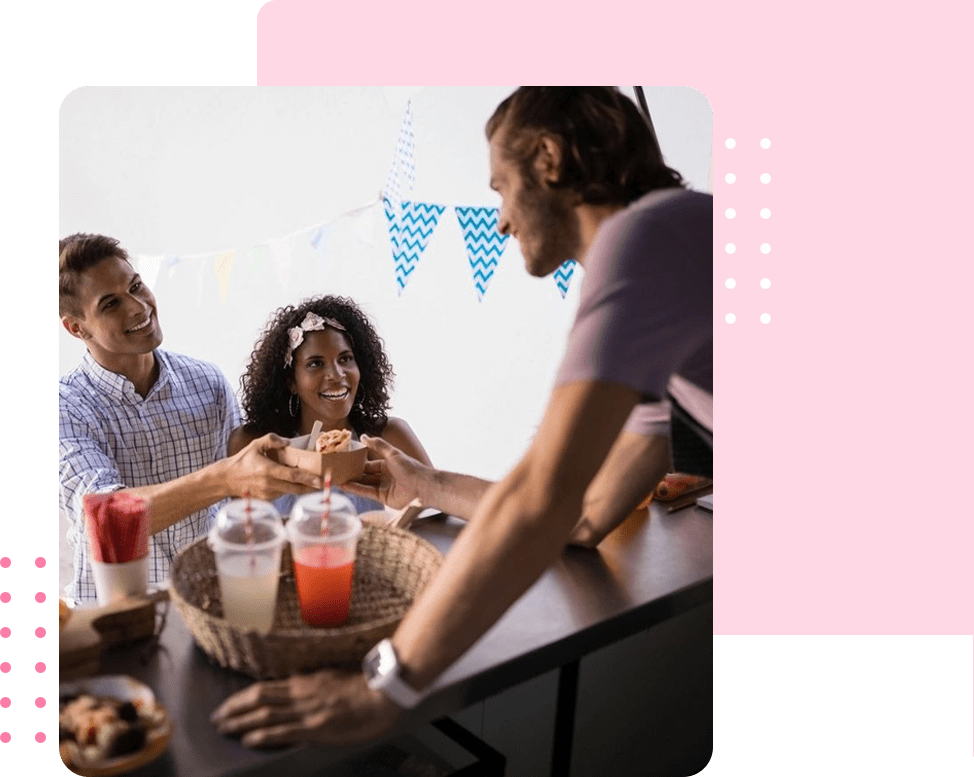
{"points": [[371, 662], [380, 661], [381, 668]]}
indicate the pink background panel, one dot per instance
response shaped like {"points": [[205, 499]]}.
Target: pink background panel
{"points": [[844, 423]]}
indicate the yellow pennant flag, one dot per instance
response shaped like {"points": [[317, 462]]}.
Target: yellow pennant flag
{"points": [[222, 266]]}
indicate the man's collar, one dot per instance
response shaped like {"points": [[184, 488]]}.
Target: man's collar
{"points": [[119, 385]]}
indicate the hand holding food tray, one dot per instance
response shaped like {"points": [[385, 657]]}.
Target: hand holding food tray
{"points": [[345, 465]]}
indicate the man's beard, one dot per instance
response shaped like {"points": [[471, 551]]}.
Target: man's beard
{"points": [[551, 228]]}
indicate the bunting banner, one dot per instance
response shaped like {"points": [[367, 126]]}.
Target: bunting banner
{"points": [[402, 174], [485, 244], [563, 276], [410, 226], [409, 232]]}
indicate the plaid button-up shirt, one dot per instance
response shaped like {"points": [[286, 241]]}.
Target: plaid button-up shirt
{"points": [[111, 438]]}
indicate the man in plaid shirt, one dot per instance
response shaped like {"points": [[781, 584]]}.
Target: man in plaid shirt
{"points": [[136, 418]]}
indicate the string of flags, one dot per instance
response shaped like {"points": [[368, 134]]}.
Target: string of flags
{"points": [[410, 225]]}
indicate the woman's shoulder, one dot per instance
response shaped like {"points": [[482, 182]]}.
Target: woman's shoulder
{"points": [[240, 438], [399, 433], [394, 425], [396, 430]]}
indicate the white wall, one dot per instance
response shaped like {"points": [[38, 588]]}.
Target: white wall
{"points": [[180, 175]]}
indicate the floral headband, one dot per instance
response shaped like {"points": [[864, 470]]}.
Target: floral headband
{"points": [[312, 323]]}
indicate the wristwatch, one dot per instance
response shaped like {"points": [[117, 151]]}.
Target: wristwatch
{"points": [[383, 673]]}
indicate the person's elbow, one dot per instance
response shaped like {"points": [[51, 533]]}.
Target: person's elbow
{"points": [[585, 535], [532, 507]]}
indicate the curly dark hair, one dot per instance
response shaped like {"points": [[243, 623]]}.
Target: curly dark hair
{"points": [[264, 385], [610, 154]]}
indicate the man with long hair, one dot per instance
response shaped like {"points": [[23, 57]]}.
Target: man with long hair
{"points": [[581, 177]]}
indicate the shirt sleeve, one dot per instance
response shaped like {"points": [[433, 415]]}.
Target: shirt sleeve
{"points": [[231, 413], [650, 419], [85, 462], [646, 302]]}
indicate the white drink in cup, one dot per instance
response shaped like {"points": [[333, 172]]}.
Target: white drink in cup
{"points": [[247, 539]]}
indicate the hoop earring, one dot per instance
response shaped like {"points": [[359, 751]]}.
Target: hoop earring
{"points": [[294, 406]]}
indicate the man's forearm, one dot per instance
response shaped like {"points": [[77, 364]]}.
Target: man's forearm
{"points": [[502, 551], [635, 464], [453, 493], [170, 502], [520, 526]]}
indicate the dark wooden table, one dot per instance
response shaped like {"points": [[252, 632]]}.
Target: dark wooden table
{"points": [[652, 568]]}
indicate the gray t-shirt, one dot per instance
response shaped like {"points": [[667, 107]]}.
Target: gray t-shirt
{"points": [[646, 306]]}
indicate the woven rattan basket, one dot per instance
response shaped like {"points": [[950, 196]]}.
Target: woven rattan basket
{"points": [[391, 567]]}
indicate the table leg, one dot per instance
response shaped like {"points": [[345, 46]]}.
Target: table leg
{"points": [[561, 754], [490, 762]]}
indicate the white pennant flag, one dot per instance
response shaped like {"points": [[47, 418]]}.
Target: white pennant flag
{"points": [[364, 224], [281, 260], [320, 237], [149, 267]]}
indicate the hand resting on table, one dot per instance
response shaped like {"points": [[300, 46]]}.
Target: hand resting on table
{"points": [[330, 707]]}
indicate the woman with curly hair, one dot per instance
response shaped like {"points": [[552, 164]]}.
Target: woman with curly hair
{"points": [[321, 361]]}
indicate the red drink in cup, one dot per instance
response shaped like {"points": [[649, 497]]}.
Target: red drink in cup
{"points": [[323, 540], [324, 580]]}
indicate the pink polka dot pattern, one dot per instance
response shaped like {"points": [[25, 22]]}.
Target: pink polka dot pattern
{"points": [[4, 702], [4, 632], [4, 737], [4, 597], [4, 667], [4, 562], [39, 737], [40, 632], [39, 562], [39, 667], [40, 701], [40, 597]]}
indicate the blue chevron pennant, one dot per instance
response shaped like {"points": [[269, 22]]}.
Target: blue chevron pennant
{"points": [[563, 276], [409, 232], [484, 243]]}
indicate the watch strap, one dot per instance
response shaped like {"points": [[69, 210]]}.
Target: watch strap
{"points": [[383, 673]]}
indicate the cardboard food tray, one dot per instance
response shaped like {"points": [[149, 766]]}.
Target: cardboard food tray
{"points": [[344, 466]]}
